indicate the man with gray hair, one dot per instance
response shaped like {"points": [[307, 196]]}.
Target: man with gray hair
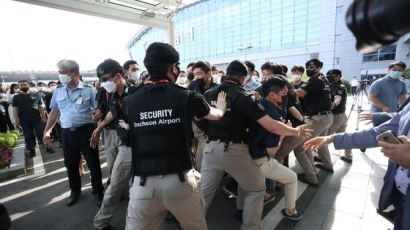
{"points": [[74, 102]]}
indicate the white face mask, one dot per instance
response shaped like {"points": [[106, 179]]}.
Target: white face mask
{"points": [[64, 79], [135, 76], [296, 77], [110, 86]]}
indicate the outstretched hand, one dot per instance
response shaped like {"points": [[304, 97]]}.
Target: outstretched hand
{"points": [[304, 131], [220, 103], [317, 142]]}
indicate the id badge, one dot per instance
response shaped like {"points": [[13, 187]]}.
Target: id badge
{"points": [[79, 101]]}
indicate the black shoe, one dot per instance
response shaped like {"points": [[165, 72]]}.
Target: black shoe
{"points": [[238, 214], [302, 178], [32, 153], [170, 216], [345, 159], [389, 215], [105, 228], [73, 198], [98, 199], [231, 188], [50, 150], [317, 159], [319, 166]]}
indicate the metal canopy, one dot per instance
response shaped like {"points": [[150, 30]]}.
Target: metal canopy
{"points": [[152, 13]]}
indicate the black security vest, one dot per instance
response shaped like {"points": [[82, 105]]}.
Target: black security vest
{"points": [[159, 129], [231, 126]]}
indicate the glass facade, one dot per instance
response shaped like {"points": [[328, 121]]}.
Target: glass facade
{"points": [[213, 29], [383, 54]]}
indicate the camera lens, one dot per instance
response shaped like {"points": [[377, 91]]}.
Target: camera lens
{"points": [[376, 23]]}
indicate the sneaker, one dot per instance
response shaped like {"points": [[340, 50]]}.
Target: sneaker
{"points": [[268, 198], [294, 216], [32, 153], [231, 188]]}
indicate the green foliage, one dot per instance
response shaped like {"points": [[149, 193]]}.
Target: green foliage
{"points": [[406, 73], [347, 85]]}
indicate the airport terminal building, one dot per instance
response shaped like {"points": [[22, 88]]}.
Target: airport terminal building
{"points": [[285, 31]]}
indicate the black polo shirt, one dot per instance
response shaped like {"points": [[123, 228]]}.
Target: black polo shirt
{"points": [[28, 106], [339, 89], [317, 98]]}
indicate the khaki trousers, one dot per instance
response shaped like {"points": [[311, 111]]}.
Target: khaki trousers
{"points": [[111, 144], [237, 162], [320, 125], [120, 177], [339, 126], [148, 204], [272, 169]]}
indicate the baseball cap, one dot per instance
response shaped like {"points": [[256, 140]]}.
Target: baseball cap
{"points": [[313, 64], [334, 72], [108, 66], [162, 53]]}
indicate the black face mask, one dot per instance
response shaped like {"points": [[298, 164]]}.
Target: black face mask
{"points": [[190, 76], [331, 78], [310, 73], [24, 89]]}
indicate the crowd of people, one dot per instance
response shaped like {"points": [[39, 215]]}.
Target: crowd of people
{"points": [[171, 136]]}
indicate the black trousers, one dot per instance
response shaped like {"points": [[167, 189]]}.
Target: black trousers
{"points": [[31, 129], [75, 142]]}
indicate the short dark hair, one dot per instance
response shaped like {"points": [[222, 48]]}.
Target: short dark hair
{"points": [[40, 83], [276, 68], [190, 64], [51, 82], [127, 64], [236, 69], [298, 68], [12, 86], [250, 65], [284, 68], [24, 81], [399, 63], [32, 84], [204, 66], [274, 84]]}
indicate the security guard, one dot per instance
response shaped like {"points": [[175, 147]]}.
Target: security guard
{"points": [[339, 98], [111, 74], [73, 102], [317, 98], [227, 151], [160, 115]]}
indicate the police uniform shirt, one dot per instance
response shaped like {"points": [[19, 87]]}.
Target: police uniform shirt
{"points": [[260, 138], [28, 106], [75, 105], [339, 90], [317, 98]]}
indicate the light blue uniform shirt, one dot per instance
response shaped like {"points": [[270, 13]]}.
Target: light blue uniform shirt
{"points": [[399, 124], [75, 105], [387, 91]]}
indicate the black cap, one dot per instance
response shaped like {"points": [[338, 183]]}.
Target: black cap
{"points": [[313, 64], [162, 53], [334, 72], [109, 66], [237, 68]]}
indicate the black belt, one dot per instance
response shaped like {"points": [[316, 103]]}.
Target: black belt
{"points": [[73, 129], [321, 113]]}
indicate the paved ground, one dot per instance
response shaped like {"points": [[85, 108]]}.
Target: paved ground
{"points": [[346, 199]]}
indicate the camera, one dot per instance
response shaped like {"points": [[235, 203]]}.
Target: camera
{"points": [[376, 23]]}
